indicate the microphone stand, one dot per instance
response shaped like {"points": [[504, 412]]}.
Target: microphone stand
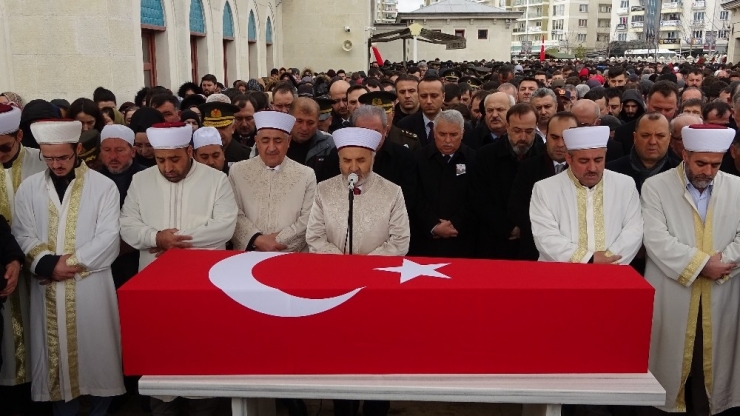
{"points": [[349, 218]]}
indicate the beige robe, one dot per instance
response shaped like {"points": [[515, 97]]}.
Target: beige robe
{"points": [[16, 368], [201, 205], [272, 201], [381, 224], [75, 332], [678, 246]]}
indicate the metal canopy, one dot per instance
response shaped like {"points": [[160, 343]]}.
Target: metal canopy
{"points": [[425, 35]]}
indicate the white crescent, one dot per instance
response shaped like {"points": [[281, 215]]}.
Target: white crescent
{"points": [[235, 278]]}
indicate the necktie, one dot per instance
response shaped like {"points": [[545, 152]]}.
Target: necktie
{"points": [[447, 158], [430, 136], [559, 167]]}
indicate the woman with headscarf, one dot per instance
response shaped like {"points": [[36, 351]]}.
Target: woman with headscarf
{"points": [[11, 98], [254, 85]]}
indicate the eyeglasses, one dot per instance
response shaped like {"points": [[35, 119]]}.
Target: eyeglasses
{"points": [[51, 159]]}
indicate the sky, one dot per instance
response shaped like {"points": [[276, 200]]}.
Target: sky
{"points": [[409, 5]]}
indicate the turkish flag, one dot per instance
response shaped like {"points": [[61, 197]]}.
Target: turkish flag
{"points": [[542, 49], [200, 312]]}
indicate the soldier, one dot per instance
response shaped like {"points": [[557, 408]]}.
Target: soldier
{"points": [[385, 100]]}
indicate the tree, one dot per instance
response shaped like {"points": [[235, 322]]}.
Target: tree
{"points": [[580, 52]]}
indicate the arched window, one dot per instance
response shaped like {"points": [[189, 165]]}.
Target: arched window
{"points": [[268, 45], [252, 45], [152, 24], [197, 33], [228, 41]]}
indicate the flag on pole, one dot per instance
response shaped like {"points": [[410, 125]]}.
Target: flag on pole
{"points": [[542, 49]]}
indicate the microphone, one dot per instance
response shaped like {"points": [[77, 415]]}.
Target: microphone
{"points": [[352, 179]]}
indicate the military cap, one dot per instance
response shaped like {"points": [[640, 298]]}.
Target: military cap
{"points": [[451, 74], [382, 99], [474, 82], [218, 114], [325, 108]]}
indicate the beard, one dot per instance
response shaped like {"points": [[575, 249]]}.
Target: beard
{"points": [[699, 181], [522, 147]]}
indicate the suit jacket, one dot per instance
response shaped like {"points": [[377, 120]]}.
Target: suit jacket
{"points": [[530, 171], [442, 194], [414, 123], [623, 165], [495, 168], [478, 136]]}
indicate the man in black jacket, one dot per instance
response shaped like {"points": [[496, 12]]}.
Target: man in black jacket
{"points": [[649, 156], [663, 97], [440, 223], [494, 170], [431, 98], [493, 121], [533, 170]]}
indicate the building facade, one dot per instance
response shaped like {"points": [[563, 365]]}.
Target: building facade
{"points": [[564, 24], [683, 26], [733, 43], [386, 11], [65, 49], [487, 32]]}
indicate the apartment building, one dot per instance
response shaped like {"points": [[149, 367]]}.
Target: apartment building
{"points": [[701, 26], [386, 11]]}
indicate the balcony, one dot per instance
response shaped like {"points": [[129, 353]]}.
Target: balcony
{"points": [[698, 5], [534, 15], [557, 31], [390, 2], [697, 23], [671, 6], [535, 29], [669, 24], [602, 29], [669, 41], [637, 26], [621, 27], [623, 11]]}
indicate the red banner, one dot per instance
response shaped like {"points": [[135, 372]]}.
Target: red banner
{"points": [[198, 312]]}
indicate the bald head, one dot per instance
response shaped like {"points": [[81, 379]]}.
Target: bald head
{"points": [[338, 93], [587, 112]]}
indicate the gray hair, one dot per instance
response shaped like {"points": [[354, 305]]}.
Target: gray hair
{"points": [[582, 89], [452, 117], [736, 99], [369, 111], [544, 92], [512, 101], [694, 119]]}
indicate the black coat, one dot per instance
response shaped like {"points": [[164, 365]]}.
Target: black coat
{"points": [[614, 151], [625, 135], [414, 123], [336, 122], [478, 136], [530, 171], [442, 194], [399, 115], [624, 166], [495, 168]]}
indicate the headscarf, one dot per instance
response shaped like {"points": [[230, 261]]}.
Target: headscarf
{"points": [[253, 85], [191, 115], [14, 98]]}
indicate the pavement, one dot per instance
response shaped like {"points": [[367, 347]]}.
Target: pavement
{"points": [[325, 408]]}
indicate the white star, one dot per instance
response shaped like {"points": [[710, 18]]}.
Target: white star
{"points": [[410, 270]]}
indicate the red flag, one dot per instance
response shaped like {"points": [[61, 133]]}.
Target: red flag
{"points": [[542, 49], [378, 58], [203, 312]]}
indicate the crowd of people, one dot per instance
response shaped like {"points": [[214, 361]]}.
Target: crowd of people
{"points": [[634, 164]]}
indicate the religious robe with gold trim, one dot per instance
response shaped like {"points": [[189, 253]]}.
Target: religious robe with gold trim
{"points": [[678, 247], [381, 223], [75, 332], [201, 205], [16, 368], [272, 201], [570, 221]]}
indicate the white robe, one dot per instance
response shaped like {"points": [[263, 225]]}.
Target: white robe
{"points": [[380, 221], [75, 333], [570, 222], [272, 201], [678, 245], [201, 205], [16, 368]]}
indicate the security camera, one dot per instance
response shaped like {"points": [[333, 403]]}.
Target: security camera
{"points": [[347, 29]]}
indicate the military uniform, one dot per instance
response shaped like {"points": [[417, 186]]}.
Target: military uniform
{"points": [[385, 100], [404, 137]]}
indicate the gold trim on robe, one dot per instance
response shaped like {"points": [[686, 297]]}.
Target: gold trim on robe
{"points": [[69, 294], [599, 230]]}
